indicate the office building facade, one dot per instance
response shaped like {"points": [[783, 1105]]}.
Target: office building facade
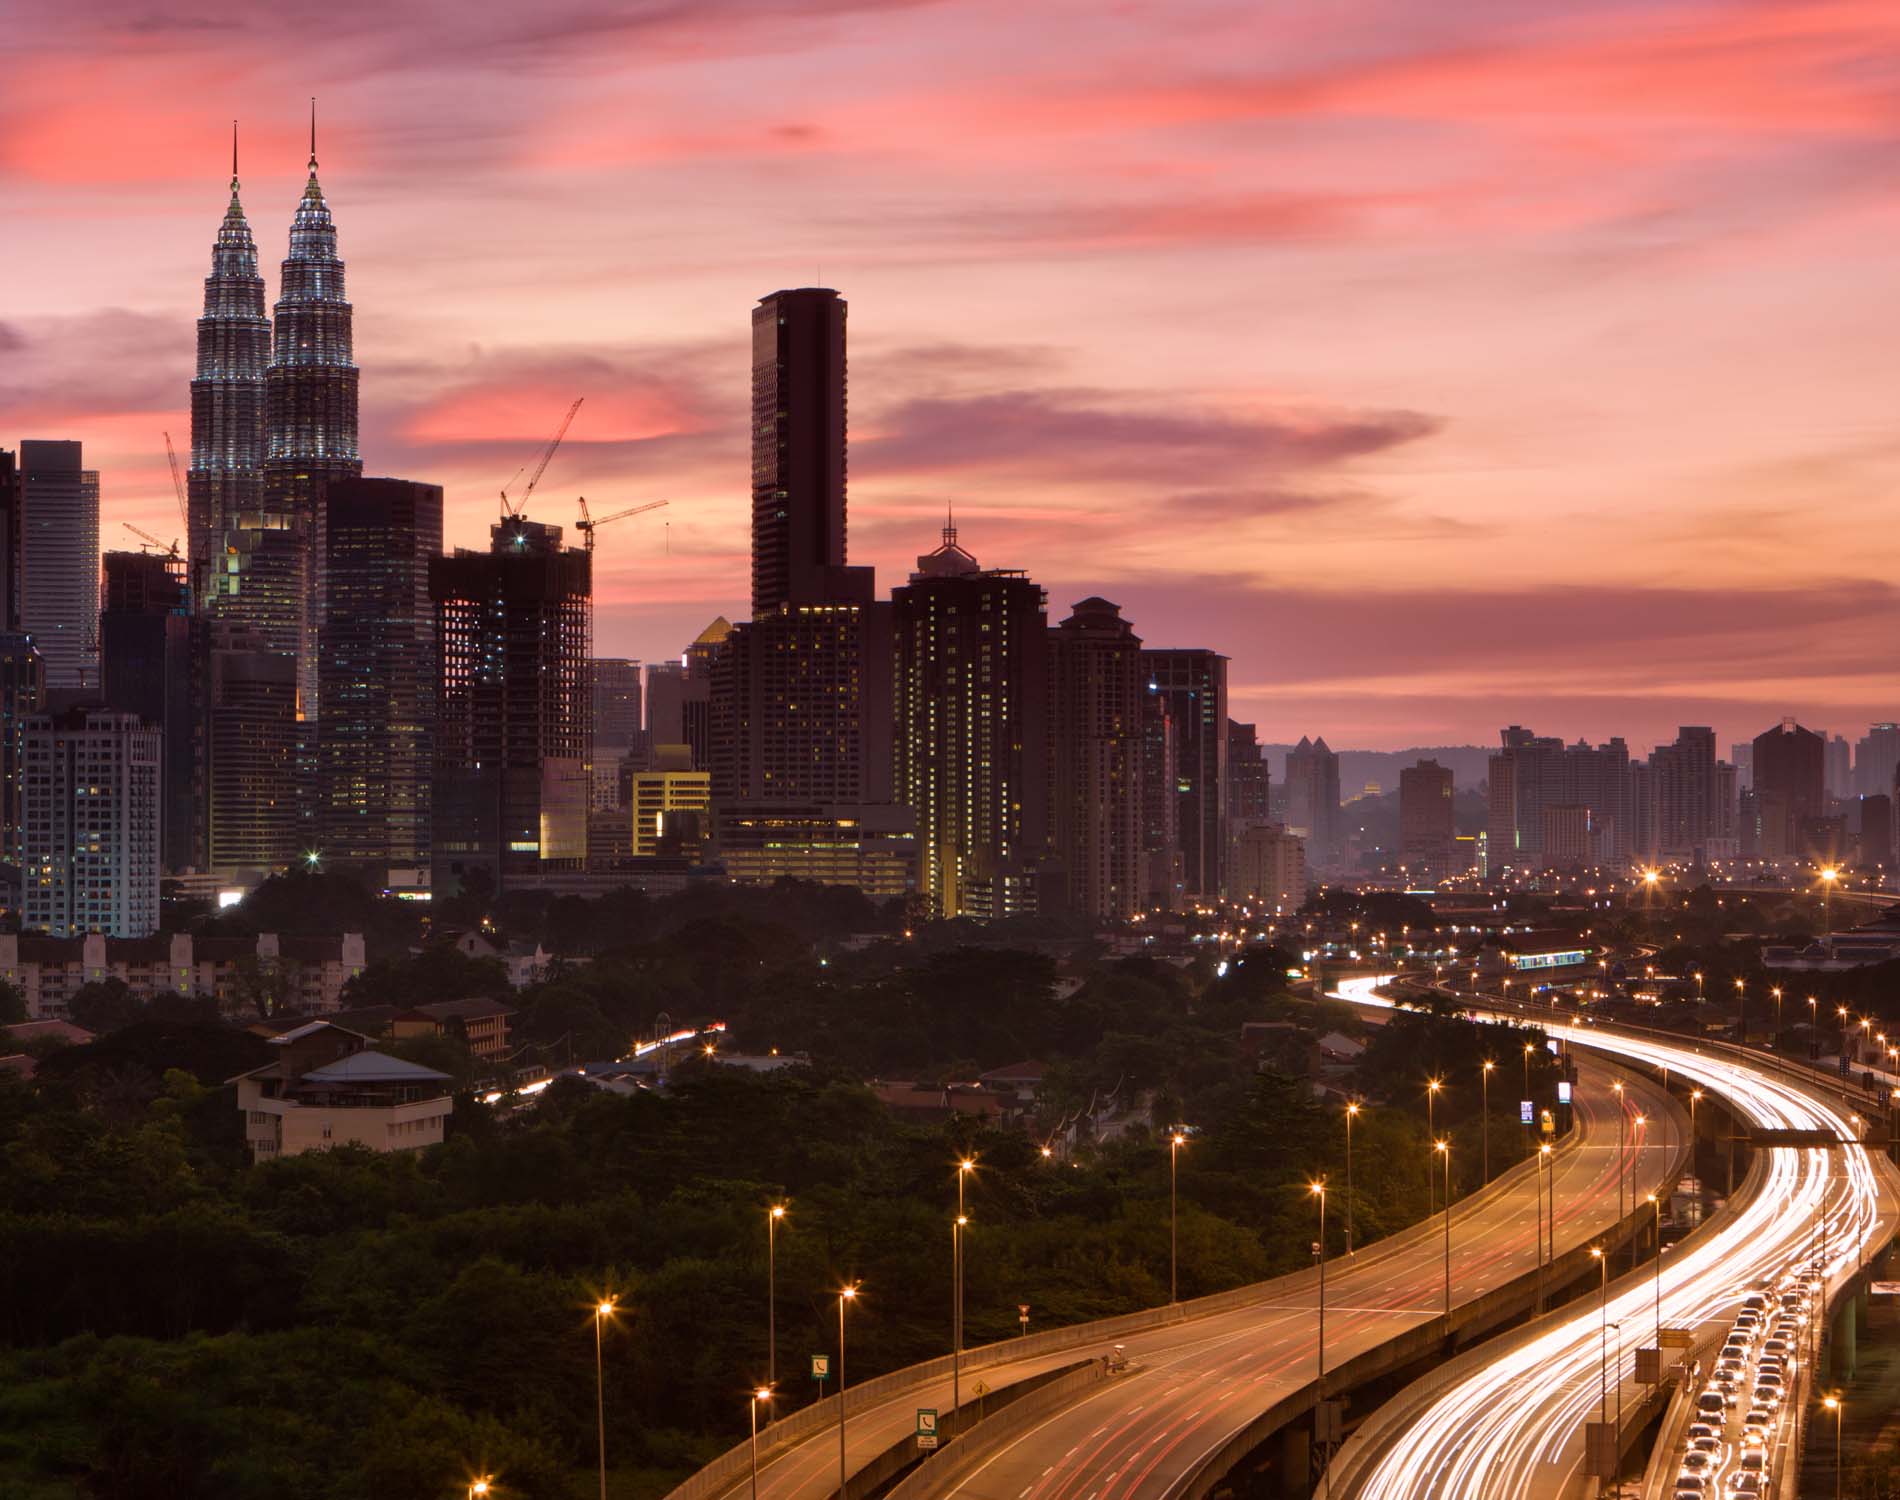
{"points": [[22, 696], [145, 668], [91, 814], [59, 561], [798, 446], [1095, 741], [1193, 683], [1427, 820]]}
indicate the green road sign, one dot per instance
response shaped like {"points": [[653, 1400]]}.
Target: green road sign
{"points": [[820, 1366]]}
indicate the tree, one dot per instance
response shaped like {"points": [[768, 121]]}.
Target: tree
{"points": [[103, 1005], [12, 1005]]}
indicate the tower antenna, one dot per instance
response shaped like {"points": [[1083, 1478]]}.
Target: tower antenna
{"points": [[234, 151], [313, 132]]}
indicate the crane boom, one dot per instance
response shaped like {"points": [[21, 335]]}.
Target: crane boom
{"points": [[588, 523], [145, 536], [516, 507], [178, 483]]}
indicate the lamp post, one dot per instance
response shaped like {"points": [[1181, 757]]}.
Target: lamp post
{"points": [[1622, 1168], [761, 1395], [603, 1310], [478, 1488], [1655, 1201], [1484, 1077], [1828, 877], [1318, 1190], [1603, 1337], [956, 1312], [1432, 1086], [1640, 1122], [1444, 1148], [1833, 1404], [1774, 992], [1695, 1098], [1741, 1014], [772, 1217], [845, 1294], [1543, 1158], [1352, 1111], [1175, 1142]]}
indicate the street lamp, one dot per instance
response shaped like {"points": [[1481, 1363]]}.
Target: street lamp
{"points": [[1175, 1142], [1741, 1013], [1484, 1076], [477, 1488], [1655, 1202], [1834, 1404], [1603, 1338], [1318, 1189], [956, 1320], [1352, 1113], [1432, 1086], [1828, 877], [845, 1294], [772, 1217], [1444, 1147], [760, 1396], [1545, 1163], [1622, 1167], [1775, 991], [603, 1310]]}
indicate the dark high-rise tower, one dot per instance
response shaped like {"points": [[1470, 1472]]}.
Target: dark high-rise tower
{"points": [[513, 708], [376, 650], [1194, 683], [227, 397], [59, 561], [145, 669], [798, 446], [1095, 742], [310, 391]]}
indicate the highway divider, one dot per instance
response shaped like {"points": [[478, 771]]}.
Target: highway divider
{"points": [[944, 1469]]}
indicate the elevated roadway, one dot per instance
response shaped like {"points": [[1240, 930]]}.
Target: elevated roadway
{"points": [[1208, 1378], [1509, 1420]]}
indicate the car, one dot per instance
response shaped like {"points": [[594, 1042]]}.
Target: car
{"points": [[1776, 1345], [1748, 1320], [1706, 1444], [1768, 1396], [1696, 1462], [1691, 1484], [1769, 1376], [1703, 1430], [1753, 1463], [1747, 1484], [1729, 1366], [1711, 1404], [1754, 1302]]}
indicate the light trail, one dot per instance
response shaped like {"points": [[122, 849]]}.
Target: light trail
{"points": [[641, 1049], [1513, 1428]]}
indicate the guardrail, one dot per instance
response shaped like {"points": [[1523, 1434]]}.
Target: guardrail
{"points": [[944, 1469]]}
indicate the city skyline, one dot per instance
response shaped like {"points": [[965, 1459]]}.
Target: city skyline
{"points": [[1518, 430]]}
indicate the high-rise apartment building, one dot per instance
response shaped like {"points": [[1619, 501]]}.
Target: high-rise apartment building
{"points": [[1193, 682], [798, 446], [1096, 688], [696, 694], [1790, 787], [971, 748], [227, 406], [1876, 754], [614, 683], [1269, 867], [1162, 879], [1838, 767], [310, 391], [145, 668], [59, 561], [1685, 797], [22, 695], [91, 824], [1517, 773], [249, 739], [514, 626], [377, 670], [1312, 800], [1427, 820], [1249, 780]]}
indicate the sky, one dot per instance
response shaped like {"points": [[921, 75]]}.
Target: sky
{"points": [[1443, 365]]}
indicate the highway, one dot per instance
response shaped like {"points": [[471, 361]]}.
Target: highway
{"points": [[1514, 1427], [1199, 1382]]}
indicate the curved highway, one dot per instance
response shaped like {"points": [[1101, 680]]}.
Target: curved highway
{"points": [[1514, 1427], [1200, 1382]]}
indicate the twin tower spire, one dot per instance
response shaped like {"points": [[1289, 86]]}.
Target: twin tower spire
{"points": [[273, 418]]}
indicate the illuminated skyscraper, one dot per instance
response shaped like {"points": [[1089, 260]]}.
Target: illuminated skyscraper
{"points": [[91, 824], [970, 738], [1194, 684], [1427, 821], [227, 399], [59, 561], [310, 406]]}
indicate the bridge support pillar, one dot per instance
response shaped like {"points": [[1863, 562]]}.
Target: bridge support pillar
{"points": [[1841, 1356], [1296, 1443]]}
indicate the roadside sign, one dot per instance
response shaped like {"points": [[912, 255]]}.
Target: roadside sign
{"points": [[1524, 1114], [820, 1366], [1649, 1366], [1602, 1450], [1550, 1123], [1563, 1090], [1678, 1338], [926, 1427], [979, 1390]]}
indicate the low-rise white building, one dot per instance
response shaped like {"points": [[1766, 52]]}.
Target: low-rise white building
{"points": [[306, 973], [328, 1088]]}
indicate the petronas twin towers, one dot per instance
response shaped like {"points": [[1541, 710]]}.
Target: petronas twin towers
{"points": [[273, 418]]}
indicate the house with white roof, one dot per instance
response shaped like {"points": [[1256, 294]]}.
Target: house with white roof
{"points": [[329, 1088]]}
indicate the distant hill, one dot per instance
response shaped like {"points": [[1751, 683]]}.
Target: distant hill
{"points": [[1469, 765]]}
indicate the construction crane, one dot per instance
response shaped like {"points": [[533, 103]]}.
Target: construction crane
{"points": [[178, 484], [587, 523], [513, 508], [146, 536]]}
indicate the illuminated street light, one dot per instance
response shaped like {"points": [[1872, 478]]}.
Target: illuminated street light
{"points": [[1835, 1405], [1352, 1113], [1444, 1148], [1828, 877], [845, 1294], [759, 1397], [1318, 1190], [1176, 1140], [1603, 1339], [1432, 1086], [772, 1217], [477, 1488], [603, 1310], [960, 1224], [1484, 1083]]}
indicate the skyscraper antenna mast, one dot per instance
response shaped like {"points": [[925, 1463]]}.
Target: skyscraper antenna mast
{"points": [[313, 132]]}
